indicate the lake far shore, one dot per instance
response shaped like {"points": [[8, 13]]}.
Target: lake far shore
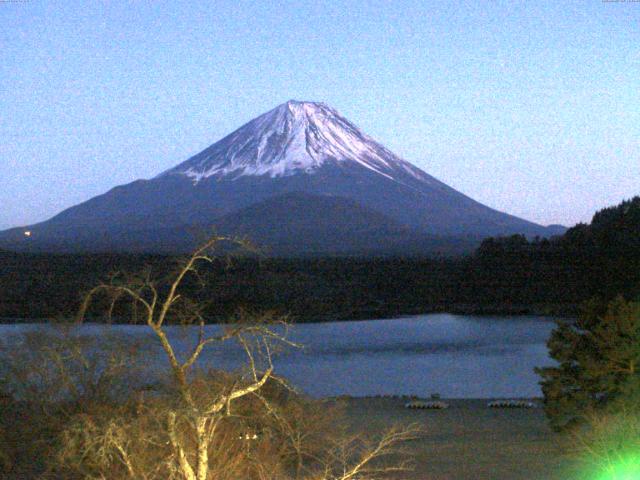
{"points": [[511, 310]]}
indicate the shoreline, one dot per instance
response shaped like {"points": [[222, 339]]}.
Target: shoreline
{"points": [[518, 311], [468, 440]]}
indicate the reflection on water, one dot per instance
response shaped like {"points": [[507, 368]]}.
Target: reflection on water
{"points": [[453, 355]]}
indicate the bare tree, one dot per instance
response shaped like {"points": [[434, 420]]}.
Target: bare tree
{"points": [[193, 424], [157, 308], [49, 378], [355, 459]]}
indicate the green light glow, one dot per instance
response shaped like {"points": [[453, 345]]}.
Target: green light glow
{"points": [[628, 468]]}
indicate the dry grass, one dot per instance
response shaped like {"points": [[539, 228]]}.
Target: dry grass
{"points": [[469, 440]]}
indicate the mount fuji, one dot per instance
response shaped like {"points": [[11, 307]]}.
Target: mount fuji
{"points": [[299, 179]]}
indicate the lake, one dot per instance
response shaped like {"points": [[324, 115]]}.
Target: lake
{"points": [[456, 356]]}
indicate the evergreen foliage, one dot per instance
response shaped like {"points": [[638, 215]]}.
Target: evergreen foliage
{"points": [[598, 364]]}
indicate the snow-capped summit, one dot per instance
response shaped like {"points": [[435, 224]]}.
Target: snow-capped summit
{"points": [[298, 179], [295, 137]]}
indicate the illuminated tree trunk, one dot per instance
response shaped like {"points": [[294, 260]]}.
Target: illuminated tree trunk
{"points": [[203, 453]]}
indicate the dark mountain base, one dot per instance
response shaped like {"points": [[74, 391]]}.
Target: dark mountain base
{"points": [[290, 225], [509, 275]]}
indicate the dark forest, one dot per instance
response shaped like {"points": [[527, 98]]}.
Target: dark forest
{"points": [[505, 275]]}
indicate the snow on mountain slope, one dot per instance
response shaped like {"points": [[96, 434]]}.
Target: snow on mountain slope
{"points": [[300, 155], [295, 137]]}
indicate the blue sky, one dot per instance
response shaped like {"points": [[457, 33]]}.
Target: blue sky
{"points": [[532, 108]]}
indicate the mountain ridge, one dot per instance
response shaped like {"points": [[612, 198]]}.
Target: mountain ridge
{"points": [[303, 147]]}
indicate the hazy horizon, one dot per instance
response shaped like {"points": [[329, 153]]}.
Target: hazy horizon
{"points": [[530, 108]]}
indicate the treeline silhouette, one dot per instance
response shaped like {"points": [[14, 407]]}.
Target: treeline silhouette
{"points": [[507, 275]]}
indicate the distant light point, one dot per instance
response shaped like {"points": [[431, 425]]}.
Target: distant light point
{"points": [[27, 233]]}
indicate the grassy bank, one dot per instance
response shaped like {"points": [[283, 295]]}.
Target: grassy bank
{"points": [[469, 440]]}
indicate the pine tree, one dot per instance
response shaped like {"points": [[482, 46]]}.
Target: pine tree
{"points": [[598, 363]]}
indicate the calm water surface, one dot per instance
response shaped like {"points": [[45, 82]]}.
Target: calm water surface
{"points": [[454, 355]]}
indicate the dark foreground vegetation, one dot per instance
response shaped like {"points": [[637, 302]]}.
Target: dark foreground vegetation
{"points": [[505, 275], [72, 408], [85, 407], [592, 395], [78, 407]]}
